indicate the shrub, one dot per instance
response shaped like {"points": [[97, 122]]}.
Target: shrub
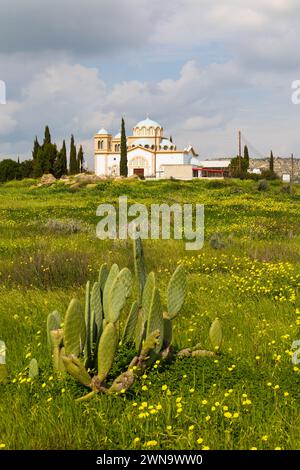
{"points": [[263, 185]]}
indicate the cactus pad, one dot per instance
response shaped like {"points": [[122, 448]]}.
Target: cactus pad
{"points": [[103, 273], [130, 324], [155, 320], [139, 266], [215, 334], [106, 350], [176, 291], [96, 308], [114, 271], [147, 295], [119, 291], [74, 329], [53, 323]]}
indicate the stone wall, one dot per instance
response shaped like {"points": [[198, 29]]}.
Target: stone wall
{"points": [[281, 166]]}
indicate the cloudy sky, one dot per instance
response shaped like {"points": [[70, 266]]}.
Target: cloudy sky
{"points": [[202, 68]]}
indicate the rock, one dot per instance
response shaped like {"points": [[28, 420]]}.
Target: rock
{"points": [[47, 179]]}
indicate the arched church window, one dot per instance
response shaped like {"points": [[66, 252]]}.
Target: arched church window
{"points": [[165, 147]]}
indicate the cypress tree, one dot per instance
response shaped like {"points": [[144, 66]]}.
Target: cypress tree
{"points": [[246, 159], [272, 162], [60, 167], [35, 149], [73, 157], [47, 136], [123, 158], [80, 159], [38, 164]]}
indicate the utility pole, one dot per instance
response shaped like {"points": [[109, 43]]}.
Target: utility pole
{"points": [[292, 170]]}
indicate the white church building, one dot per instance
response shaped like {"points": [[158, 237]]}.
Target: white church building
{"points": [[149, 153]]}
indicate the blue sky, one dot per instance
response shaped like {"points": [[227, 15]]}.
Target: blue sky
{"points": [[202, 68]]}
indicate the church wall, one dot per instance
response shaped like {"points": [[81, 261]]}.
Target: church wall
{"points": [[100, 165]]}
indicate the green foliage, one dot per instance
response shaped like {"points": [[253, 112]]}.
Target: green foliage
{"points": [[9, 170], [73, 165], [80, 159], [60, 166], [238, 167], [271, 164], [263, 185]]}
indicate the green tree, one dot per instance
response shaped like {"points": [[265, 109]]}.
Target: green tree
{"points": [[246, 157], [238, 167], [123, 158], [73, 157], [47, 136], [9, 170], [49, 158], [35, 149], [80, 159], [26, 169], [38, 164], [60, 167], [271, 163]]}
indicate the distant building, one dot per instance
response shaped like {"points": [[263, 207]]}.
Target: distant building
{"points": [[148, 152]]}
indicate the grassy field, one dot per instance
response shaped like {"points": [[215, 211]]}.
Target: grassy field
{"points": [[249, 397]]}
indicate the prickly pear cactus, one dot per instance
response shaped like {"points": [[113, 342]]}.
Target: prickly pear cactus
{"points": [[3, 368], [168, 331], [139, 266], [96, 312], [155, 321], [74, 329], [33, 370], [216, 335], [103, 273], [120, 290], [53, 323], [106, 350], [176, 291], [114, 271], [130, 324], [147, 295], [87, 318]]}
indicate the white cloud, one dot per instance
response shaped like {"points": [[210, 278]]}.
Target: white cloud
{"points": [[237, 61]]}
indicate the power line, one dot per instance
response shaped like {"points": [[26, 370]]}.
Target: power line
{"points": [[252, 148]]}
